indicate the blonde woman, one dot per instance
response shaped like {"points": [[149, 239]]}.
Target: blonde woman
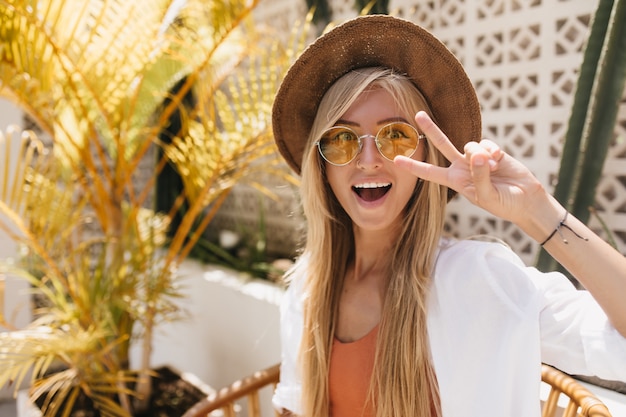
{"points": [[384, 315]]}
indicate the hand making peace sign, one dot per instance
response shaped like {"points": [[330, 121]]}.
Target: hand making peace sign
{"points": [[484, 174]]}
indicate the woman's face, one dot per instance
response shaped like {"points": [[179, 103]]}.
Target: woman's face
{"points": [[371, 189]]}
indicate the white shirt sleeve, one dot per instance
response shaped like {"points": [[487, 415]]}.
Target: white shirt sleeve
{"points": [[493, 320], [288, 391], [576, 335], [574, 332]]}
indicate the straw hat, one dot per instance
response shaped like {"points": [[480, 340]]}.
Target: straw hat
{"points": [[374, 41]]}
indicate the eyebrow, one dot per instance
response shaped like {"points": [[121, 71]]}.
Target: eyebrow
{"points": [[380, 122]]}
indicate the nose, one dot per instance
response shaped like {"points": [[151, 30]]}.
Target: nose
{"points": [[369, 157]]}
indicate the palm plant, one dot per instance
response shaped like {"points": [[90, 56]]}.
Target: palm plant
{"points": [[98, 79]]}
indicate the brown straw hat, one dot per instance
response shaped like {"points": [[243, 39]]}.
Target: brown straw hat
{"points": [[374, 41]]}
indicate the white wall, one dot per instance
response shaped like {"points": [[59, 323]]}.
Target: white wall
{"points": [[9, 114], [14, 302]]}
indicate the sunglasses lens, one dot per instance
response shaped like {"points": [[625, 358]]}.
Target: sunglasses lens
{"points": [[339, 145], [397, 139]]}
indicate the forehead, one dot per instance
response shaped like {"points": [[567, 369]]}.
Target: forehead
{"points": [[373, 105]]}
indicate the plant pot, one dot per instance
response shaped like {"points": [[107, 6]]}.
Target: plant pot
{"points": [[230, 327], [173, 393]]}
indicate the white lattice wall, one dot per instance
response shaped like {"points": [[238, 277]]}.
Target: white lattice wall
{"points": [[523, 57]]}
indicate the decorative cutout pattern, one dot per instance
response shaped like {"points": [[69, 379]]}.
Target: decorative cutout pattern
{"points": [[523, 57]]}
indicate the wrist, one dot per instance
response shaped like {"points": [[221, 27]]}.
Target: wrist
{"points": [[559, 230], [542, 218]]}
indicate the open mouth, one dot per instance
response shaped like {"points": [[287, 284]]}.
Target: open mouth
{"points": [[371, 191]]}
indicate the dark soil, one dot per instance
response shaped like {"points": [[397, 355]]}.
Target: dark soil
{"points": [[172, 396]]}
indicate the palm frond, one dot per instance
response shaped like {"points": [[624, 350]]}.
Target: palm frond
{"points": [[36, 349], [19, 356], [13, 173]]}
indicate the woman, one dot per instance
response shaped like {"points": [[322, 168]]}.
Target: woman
{"points": [[385, 316]]}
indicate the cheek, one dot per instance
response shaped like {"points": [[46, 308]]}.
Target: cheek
{"points": [[422, 151], [331, 176], [406, 188], [335, 180]]}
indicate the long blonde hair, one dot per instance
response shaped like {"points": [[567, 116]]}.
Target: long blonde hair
{"points": [[403, 381]]}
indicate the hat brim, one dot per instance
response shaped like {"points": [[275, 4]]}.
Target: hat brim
{"points": [[374, 41]]}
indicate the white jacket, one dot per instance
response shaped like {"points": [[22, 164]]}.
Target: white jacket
{"points": [[492, 321]]}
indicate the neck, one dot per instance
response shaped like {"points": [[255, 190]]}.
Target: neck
{"points": [[372, 253]]}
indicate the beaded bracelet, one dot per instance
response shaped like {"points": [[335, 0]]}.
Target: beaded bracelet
{"points": [[560, 232]]}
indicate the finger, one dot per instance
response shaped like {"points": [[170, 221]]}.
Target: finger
{"points": [[479, 160], [423, 170], [437, 137], [490, 146], [495, 152]]}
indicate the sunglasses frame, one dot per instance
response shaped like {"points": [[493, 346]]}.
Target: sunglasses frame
{"points": [[420, 136]]}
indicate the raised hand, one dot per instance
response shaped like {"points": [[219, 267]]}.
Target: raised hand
{"points": [[484, 174]]}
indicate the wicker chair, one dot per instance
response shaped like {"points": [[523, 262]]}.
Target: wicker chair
{"points": [[580, 401], [227, 398]]}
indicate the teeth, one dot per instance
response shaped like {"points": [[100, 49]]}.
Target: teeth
{"points": [[373, 185]]}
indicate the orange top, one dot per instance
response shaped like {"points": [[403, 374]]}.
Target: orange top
{"points": [[351, 366]]}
